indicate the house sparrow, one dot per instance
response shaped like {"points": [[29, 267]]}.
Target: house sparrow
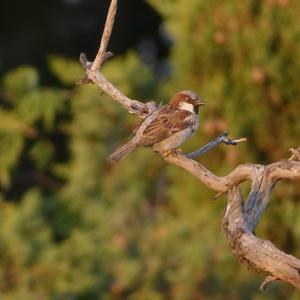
{"points": [[174, 124]]}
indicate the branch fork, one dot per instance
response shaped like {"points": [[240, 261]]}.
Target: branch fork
{"points": [[241, 216]]}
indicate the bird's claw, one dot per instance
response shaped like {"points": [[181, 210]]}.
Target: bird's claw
{"points": [[176, 151], [295, 154]]}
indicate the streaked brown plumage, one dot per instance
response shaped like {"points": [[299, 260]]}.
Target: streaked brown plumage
{"points": [[174, 124]]}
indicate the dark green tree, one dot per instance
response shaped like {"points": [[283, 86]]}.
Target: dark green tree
{"points": [[76, 227]]}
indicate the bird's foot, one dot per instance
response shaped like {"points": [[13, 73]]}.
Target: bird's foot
{"points": [[176, 151], [295, 154], [165, 153]]}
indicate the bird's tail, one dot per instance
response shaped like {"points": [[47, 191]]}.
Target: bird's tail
{"points": [[119, 153]]}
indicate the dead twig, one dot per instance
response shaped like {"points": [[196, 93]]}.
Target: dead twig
{"points": [[102, 54], [93, 75], [220, 139]]}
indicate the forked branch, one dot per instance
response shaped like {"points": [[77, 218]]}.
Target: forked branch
{"points": [[241, 217], [93, 75]]}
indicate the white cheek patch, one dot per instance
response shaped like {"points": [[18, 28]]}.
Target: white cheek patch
{"points": [[186, 106]]}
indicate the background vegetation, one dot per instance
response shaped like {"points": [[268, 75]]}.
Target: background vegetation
{"points": [[73, 226]]}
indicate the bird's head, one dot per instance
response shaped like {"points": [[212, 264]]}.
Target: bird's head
{"points": [[187, 100]]}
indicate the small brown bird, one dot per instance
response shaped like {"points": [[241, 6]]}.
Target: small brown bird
{"points": [[173, 125]]}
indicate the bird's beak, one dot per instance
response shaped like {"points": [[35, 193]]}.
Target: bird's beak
{"points": [[200, 103]]}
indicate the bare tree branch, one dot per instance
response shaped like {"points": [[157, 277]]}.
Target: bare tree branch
{"points": [[241, 217], [258, 254], [105, 36], [219, 184], [94, 76], [222, 138]]}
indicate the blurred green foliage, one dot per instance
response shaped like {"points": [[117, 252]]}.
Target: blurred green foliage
{"points": [[73, 226]]}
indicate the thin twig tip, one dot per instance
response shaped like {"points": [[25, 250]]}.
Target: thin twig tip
{"points": [[269, 279], [83, 58]]}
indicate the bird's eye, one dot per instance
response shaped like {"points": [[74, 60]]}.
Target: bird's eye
{"points": [[186, 98]]}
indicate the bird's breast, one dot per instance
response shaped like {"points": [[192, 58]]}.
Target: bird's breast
{"points": [[174, 140], [195, 122]]}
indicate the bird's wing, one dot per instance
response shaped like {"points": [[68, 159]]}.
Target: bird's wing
{"points": [[169, 121]]}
